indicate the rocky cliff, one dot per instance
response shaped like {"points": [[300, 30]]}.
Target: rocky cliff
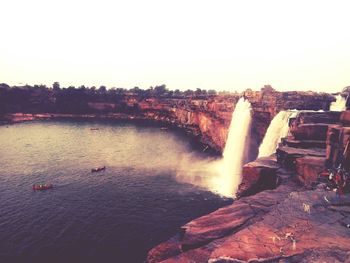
{"points": [[291, 217], [209, 119], [206, 118], [281, 214]]}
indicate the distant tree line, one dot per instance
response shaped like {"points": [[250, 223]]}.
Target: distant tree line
{"points": [[57, 99]]}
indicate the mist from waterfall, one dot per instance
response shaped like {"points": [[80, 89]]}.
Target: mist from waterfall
{"points": [[339, 104], [277, 129], [224, 175]]}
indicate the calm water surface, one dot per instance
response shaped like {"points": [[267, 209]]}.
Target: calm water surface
{"points": [[112, 216]]}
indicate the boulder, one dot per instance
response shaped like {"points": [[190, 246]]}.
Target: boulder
{"points": [[167, 249], [309, 167], [258, 175]]}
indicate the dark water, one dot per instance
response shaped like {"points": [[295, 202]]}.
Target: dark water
{"points": [[113, 216]]}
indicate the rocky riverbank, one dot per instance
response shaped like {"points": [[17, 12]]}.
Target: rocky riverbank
{"points": [[283, 214], [288, 223], [205, 118]]}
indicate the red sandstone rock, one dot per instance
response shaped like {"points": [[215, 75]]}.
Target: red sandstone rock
{"points": [[258, 176], [194, 236], [308, 168], [208, 118], [287, 155], [310, 131], [303, 223], [337, 138], [329, 117], [304, 144], [273, 225], [167, 249], [300, 227]]}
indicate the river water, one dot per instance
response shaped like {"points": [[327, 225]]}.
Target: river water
{"points": [[112, 216]]}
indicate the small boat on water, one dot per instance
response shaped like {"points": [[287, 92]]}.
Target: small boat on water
{"points": [[42, 186], [164, 128], [94, 129], [98, 169]]}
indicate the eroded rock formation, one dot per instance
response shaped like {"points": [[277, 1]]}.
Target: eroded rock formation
{"points": [[294, 222], [207, 119], [284, 220], [285, 223]]}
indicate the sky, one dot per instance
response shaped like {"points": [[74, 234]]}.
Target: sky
{"points": [[185, 44]]}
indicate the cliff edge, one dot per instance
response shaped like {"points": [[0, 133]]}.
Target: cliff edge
{"points": [[293, 218], [206, 118]]}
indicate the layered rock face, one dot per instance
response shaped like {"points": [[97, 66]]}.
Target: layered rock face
{"points": [[268, 102], [338, 140], [318, 141], [207, 119], [284, 221], [292, 221]]}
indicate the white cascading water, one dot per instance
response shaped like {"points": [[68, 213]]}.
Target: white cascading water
{"points": [[231, 165], [277, 129], [339, 104]]}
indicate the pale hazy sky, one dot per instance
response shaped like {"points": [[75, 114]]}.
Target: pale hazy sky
{"points": [[223, 45]]}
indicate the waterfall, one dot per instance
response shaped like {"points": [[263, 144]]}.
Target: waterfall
{"points": [[339, 104], [277, 129], [231, 165]]}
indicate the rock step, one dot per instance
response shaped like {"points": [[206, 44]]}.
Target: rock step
{"points": [[310, 131], [311, 117], [305, 144], [286, 156]]}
